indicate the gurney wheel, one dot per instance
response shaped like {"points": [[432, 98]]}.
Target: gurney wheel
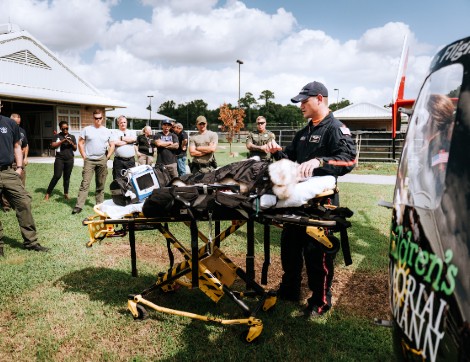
{"points": [[143, 314], [244, 336], [336, 245]]}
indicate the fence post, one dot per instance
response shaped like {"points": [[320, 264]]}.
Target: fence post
{"points": [[358, 146]]}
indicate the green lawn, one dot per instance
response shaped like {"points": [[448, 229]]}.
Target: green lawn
{"points": [[70, 304]]}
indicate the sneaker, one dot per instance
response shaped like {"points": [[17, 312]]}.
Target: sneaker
{"points": [[66, 197], [76, 210], [36, 247]]}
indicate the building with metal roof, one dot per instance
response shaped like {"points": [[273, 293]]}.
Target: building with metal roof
{"points": [[365, 117], [36, 84]]}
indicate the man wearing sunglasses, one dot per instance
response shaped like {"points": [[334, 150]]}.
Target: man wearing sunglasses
{"points": [[93, 145], [257, 139]]}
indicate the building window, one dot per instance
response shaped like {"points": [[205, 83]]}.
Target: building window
{"points": [[71, 116]]}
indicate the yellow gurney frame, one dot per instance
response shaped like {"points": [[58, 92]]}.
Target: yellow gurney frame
{"points": [[215, 272]]}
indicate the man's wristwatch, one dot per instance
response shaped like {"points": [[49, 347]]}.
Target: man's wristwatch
{"points": [[321, 162]]}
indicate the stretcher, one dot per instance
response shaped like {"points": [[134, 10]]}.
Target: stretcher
{"points": [[207, 267]]}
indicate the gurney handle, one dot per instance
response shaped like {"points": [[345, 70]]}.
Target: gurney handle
{"points": [[300, 220]]}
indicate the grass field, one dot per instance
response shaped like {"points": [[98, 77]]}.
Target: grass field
{"points": [[70, 304]]}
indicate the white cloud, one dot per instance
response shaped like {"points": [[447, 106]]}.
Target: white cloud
{"points": [[63, 25], [184, 6], [188, 50], [199, 38]]}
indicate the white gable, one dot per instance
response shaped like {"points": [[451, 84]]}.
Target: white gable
{"points": [[363, 111], [135, 113], [29, 70]]}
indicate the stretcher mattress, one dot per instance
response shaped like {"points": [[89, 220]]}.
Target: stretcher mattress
{"points": [[300, 194]]}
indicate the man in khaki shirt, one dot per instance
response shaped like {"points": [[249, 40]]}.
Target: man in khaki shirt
{"points": [[257, 139]]}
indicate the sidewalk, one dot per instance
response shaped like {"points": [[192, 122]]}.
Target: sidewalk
{"points": [[351, 178], [368, 179], [78, 161]]}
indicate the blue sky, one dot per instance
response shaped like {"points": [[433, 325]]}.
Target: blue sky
{"points": [[183, 50], [435, 22]]}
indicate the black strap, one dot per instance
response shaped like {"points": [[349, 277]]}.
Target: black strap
{"points": [[267, 254], [171, 257], [345, 246]]}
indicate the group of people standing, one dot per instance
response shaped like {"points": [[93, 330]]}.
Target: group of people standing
{"points": [[97, 144], [323, 147]]}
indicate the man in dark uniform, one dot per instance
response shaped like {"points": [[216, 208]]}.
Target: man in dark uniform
{"points": [[257, 139], [25, 150], [323, 147], [11, 186], [167, 145]]}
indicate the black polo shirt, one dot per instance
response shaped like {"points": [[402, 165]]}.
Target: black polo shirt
{"points": [[9, 135]]}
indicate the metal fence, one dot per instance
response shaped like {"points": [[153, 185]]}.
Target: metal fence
{"points": [[372, 146], [378, 146]]}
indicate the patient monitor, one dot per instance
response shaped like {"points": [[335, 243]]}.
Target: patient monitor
{"points": [[143, 180]]}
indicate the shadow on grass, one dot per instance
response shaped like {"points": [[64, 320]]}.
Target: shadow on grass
{"points": [[13, 243], [287, 335], [102, 284]]}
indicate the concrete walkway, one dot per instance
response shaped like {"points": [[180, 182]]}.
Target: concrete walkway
{"points": [[368, 179], [351, 178], [78, 161]]}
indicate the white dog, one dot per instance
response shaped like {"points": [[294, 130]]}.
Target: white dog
{"points": [[284, 175]]}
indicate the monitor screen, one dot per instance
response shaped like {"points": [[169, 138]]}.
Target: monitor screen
{"points": [[145, 181]]}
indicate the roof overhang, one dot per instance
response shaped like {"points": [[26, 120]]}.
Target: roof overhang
{"points": [[31, 94], [47, 95]]}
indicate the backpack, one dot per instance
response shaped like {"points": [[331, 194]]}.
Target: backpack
{"points": [[162, 173], [254, 174], [123, 192], [168, 201]]}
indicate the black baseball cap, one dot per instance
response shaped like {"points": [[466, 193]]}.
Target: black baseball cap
{"points": [[310, 90], [166, 121]]}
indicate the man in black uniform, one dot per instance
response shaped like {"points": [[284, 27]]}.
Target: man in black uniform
{"points": [[25, 150], [323, 147], [11, 186]]}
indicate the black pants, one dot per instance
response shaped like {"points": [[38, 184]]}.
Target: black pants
{"points": [[64, 167], [297, 246], [120, 164]]}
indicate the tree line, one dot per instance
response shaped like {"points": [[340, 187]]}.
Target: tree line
{"points": [[278, 116]]}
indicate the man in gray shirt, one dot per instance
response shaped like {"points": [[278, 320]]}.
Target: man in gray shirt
{"points": [[93, 144], [124, 152]]}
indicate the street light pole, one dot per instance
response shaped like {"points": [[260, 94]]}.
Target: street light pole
{"points": [[337, 95], [239, 64], [150, 110]]}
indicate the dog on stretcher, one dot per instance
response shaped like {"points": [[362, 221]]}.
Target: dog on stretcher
{"points": [[285, 179]]}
